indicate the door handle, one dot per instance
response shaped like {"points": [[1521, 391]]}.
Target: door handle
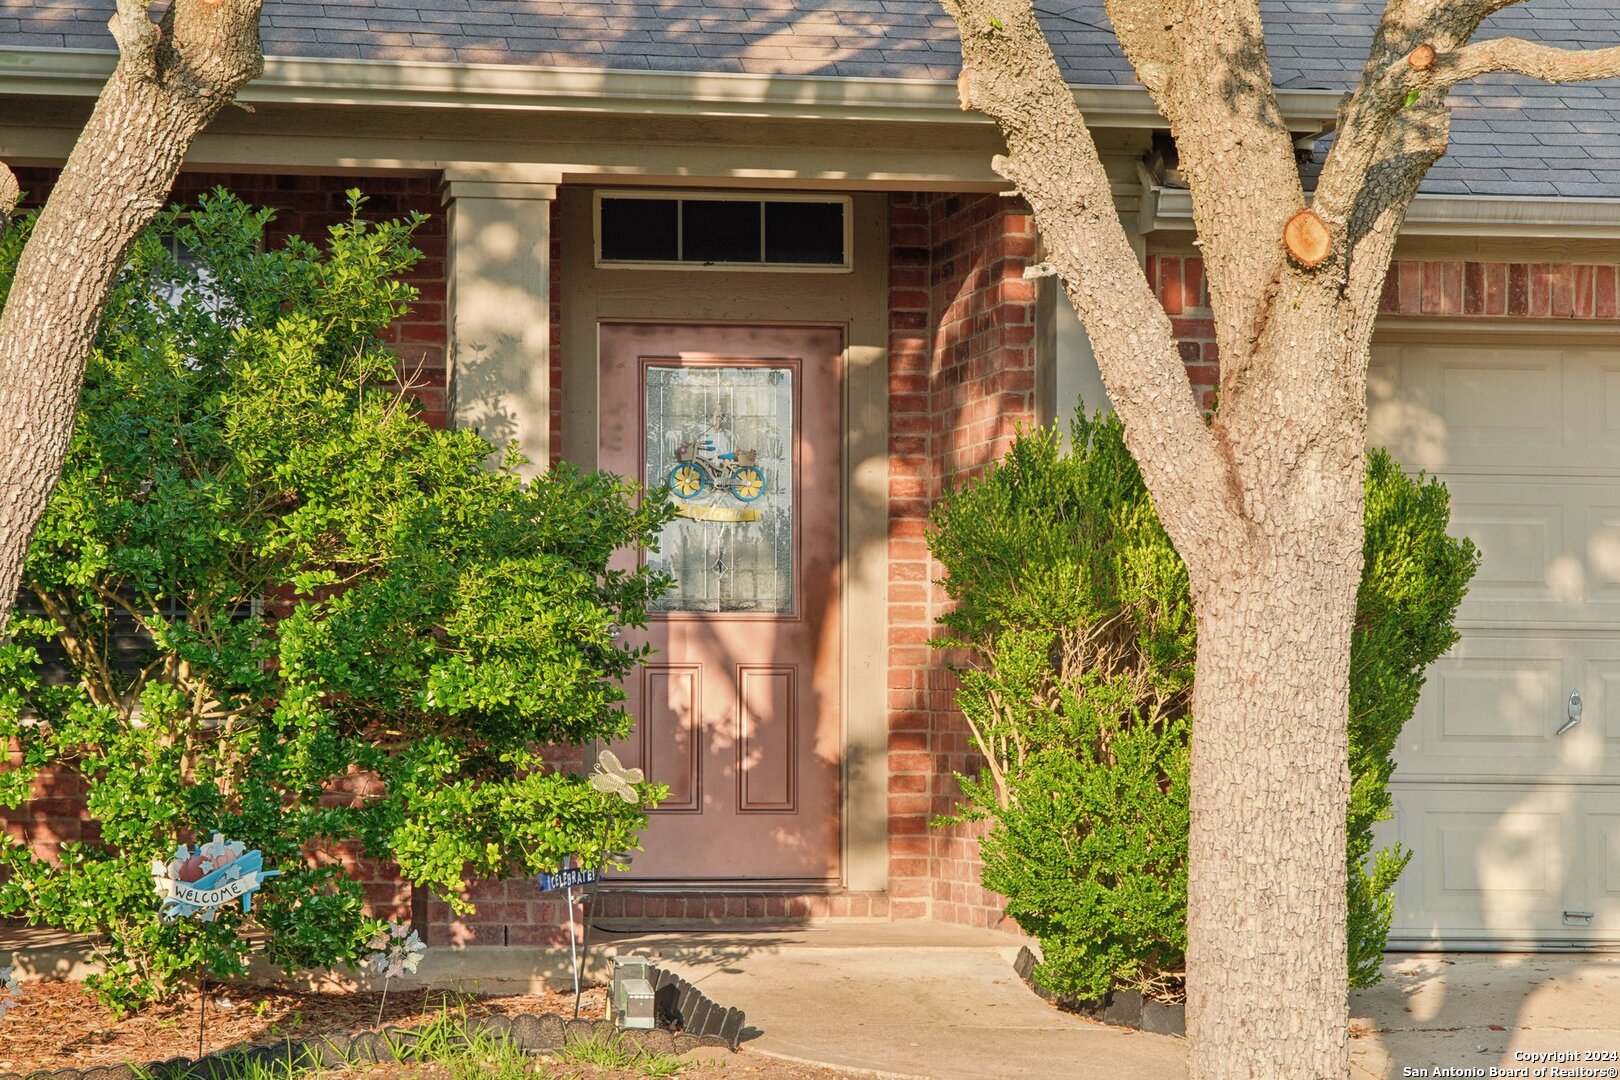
{"points": [[1575, 706]]}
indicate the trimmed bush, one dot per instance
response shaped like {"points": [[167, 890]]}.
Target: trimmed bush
{"points": [[1074, 640], [268, 599]]}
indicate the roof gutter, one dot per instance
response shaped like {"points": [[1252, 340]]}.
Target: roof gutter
{"points": [[1527, 217], [416, 84]]}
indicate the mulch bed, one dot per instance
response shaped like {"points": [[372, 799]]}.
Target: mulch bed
{"points": [[59, 1025]]}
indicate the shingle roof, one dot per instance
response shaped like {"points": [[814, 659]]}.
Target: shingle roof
{"points": [[1511, 136]]}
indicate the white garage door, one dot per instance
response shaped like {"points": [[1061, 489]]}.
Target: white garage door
{"points": [[1515, 828]]}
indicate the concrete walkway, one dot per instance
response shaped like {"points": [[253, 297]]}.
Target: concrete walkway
{"points": [[1475, 1011], [903, 1000]]}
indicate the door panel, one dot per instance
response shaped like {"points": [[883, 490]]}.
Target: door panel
{"points": [[671, 731], [740, 712], [767, 749]]}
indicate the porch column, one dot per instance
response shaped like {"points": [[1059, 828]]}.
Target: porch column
{"points": [[499, 271]]}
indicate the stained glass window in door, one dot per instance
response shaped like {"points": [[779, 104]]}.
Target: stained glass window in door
{"points": [[721, 437]]}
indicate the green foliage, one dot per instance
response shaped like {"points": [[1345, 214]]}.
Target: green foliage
{"points": [[1413, 577], [1076, 636], [268, 599]]}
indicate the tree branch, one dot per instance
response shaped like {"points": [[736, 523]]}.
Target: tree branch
{"points": [[1514, 56], [10, 194], [1205, 64], [137, 37], [1010, 74]]}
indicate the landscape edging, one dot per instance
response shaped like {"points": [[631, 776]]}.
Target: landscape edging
{"points": [[1123, 1008]]}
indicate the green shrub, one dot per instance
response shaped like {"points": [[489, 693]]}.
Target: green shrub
{"points": [[264, 576], [1076, 640]]}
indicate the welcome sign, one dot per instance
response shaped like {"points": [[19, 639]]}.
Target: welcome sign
{"points": [[200, 881]]}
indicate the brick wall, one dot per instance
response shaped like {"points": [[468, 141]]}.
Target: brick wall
{"points": [[962, 378], [1438, 289]]}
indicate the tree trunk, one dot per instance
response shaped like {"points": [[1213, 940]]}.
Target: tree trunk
{"points": [[1267, 979], [168, 84]]}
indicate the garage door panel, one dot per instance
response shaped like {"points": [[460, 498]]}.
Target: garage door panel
{"points": [[1519, 530], [1487, 861], [1489, 708], [1549, 549], [1597, 886], [1499, 399], [1602, 533], [1602, 412], [1447, 408]]}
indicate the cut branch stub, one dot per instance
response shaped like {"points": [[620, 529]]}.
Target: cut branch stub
{"points": [[1422, 58], [963, 95], [1308, 241]]}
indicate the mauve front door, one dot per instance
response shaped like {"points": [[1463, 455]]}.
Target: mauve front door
{"points": [[738, 709]]}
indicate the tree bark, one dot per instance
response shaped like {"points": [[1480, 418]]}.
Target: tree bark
{"points": [[170, 81], [1267, 976]]}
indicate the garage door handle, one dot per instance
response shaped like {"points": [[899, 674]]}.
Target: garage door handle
{"points": [[1574, 712]]}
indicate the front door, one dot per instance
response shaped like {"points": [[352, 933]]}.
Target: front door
{"points": [[738, 710]]}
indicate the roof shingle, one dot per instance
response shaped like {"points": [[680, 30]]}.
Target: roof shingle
{"points": [[1510, 136]]}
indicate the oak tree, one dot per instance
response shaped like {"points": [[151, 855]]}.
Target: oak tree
{"points": [[172, 77], [1264, 500]]}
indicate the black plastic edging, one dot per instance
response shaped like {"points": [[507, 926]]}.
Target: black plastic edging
{"points": [[1123, 1008]]}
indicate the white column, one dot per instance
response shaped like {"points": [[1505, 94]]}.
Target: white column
{"points": [[498, 268]]}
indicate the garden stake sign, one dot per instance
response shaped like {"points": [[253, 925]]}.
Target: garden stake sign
{"points": [[10, 989], [199, 881], [398, 951], [566, 878]]}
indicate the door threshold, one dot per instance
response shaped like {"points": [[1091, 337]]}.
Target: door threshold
{"points": [[721, 888]]}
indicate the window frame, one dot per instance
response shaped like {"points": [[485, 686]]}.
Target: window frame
{"points": [[762, 197]]}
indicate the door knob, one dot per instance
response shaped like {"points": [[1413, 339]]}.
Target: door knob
{"points": [[1574, 712]]}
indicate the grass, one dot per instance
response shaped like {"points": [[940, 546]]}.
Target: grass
{"points": [[239, 1068], [613, 1054], [445, 1043]]}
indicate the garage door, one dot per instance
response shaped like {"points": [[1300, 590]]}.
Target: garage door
{"points": [[1513, 812]]}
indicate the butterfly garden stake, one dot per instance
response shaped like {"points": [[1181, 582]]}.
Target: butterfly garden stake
{"points": [[610, 778], [396, 951]]}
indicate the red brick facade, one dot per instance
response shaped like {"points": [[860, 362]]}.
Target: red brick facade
{"points": [[961, 381], [1434, 289]]}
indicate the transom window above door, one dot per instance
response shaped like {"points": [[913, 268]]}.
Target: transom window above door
{"points": [[722, 231]]}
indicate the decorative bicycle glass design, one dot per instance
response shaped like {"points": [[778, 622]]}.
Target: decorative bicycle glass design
{"points": [[698, 467], [721, 437]]}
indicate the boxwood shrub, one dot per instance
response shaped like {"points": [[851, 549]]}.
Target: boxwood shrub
{"points": [[1074, 640]]}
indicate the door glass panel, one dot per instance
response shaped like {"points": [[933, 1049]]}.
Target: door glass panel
{"points": [[722, 439]]}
